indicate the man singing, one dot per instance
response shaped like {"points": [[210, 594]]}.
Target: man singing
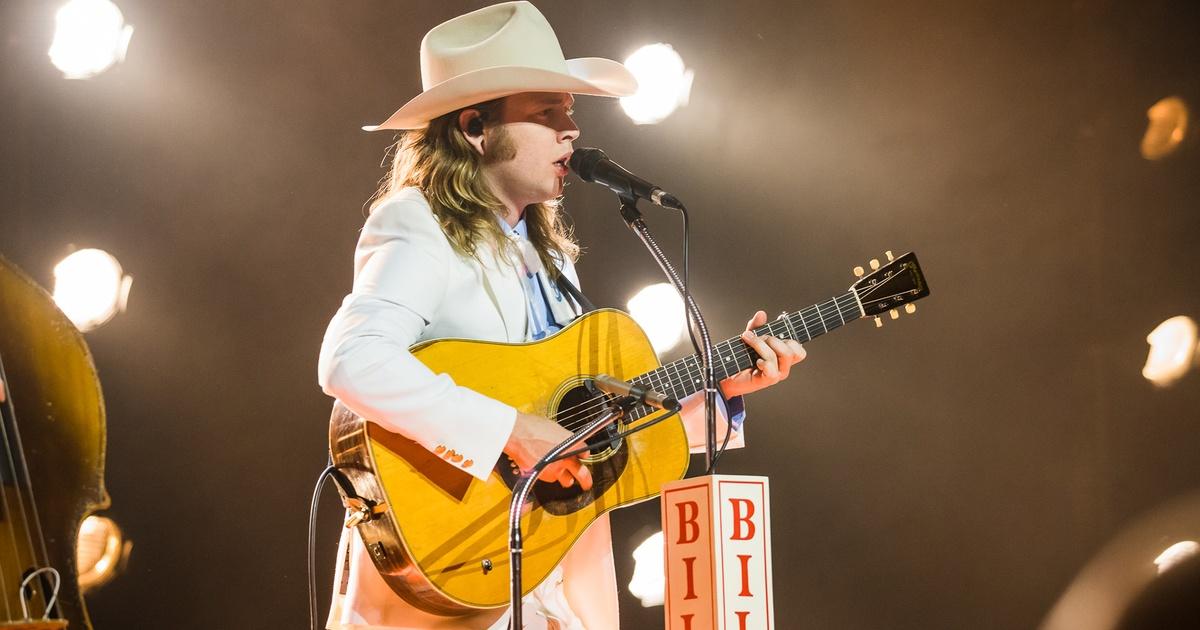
{"points": [[465, 240]]}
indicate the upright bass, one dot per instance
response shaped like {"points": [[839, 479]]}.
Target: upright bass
{"points": [[51, 457]]}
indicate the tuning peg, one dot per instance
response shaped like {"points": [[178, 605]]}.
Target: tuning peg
{"points": [[878, 322], [910, 308], [859, 271], [889, 255], [874, 263], [894, 314]]}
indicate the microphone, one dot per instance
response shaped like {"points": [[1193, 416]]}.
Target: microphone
{"points": [[617, 387], [592, 165]]}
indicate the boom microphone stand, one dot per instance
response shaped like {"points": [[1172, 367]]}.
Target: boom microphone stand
{"points": [[633, 218]]}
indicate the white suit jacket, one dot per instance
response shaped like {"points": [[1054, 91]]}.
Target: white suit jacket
{"points": [[411, 286]]}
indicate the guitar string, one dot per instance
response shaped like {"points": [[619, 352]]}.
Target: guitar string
{"points": [[44, 561], [11, 445], [8, 511], [576, 417], [47, 604], [741, 353], [586, 409], [10, 415], [871, 288]]}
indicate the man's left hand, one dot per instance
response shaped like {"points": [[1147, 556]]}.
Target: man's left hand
{"points": [[776, 358]]}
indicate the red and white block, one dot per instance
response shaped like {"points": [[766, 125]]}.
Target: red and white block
{"points": [[717, 535]]}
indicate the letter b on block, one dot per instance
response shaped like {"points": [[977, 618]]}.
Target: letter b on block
{"points": [[743, 511], [689, 529]]}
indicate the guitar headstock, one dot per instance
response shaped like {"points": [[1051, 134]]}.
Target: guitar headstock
{"points": [[890, 286]]}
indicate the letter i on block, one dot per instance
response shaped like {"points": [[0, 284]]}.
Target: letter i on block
{"points": [[717, 531]]}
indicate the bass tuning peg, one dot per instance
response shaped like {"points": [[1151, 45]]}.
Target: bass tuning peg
{"points": [[888, 253], [910, 308], [878, 322], [859, 271]]}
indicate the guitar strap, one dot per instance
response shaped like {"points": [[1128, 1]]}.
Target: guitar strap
{"points": [[568, 287]]}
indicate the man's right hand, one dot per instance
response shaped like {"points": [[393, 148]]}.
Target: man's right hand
{"points": [[533, 437]]}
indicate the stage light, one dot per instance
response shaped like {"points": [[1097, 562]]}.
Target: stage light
{"points": [[1167, 128], [649, 582], [1172, 351], [658, 309], [663, 84], [1175, 554], [89, 37], [90, 288], [100, 552]]}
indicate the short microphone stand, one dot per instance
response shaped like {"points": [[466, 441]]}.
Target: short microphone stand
{"points": [[521, 492], [633, 218]]}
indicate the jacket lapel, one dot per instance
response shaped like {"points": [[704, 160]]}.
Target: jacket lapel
{"points": [[503, 286]]}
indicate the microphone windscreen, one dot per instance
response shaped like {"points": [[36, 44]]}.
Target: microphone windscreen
{"points": [[584, 160]]}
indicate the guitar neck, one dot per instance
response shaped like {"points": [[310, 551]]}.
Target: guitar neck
{"points": [[684, 377]]}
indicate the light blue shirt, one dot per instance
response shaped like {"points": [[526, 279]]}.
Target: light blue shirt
{"points": [[541, 320]]}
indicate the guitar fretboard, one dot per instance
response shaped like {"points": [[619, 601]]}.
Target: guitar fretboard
{"points": [[685, 377]]}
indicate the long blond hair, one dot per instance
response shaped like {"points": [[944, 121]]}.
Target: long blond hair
{"points": [[445, 167]]}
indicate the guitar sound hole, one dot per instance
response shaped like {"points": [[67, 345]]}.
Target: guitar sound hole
{"points": [[606, 461]]}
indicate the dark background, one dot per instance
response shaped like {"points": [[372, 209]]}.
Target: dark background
{"points": [[954, 469]]}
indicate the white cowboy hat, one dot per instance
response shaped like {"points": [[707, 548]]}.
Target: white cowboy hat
{"points": [[497, 51]]}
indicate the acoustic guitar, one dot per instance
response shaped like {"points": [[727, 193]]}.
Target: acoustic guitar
{"points": [[438, 536]]}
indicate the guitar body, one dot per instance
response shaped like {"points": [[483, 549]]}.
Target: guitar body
{"points": [[442, 542]]}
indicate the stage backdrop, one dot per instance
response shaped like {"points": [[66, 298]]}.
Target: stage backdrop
{"points": [[954, 469]]}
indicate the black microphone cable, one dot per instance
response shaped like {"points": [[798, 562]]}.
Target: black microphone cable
{"points": [[324, 477], [691, 328], [347, 490]]}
